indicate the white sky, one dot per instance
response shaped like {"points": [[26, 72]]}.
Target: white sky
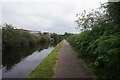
{"points": [[45, 15]]}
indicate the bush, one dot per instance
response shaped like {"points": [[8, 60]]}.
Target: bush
{"points": [[99, 43], [101, 51], [17, 38]]}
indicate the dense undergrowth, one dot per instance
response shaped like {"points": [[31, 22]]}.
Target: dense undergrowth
{"points": [[99, 45]]}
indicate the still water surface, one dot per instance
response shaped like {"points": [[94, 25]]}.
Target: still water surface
{"points": [[20, 63]]}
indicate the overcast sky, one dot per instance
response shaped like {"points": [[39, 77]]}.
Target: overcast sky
{"points": [[56, 16]]}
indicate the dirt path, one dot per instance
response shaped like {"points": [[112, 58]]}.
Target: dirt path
{"points": [[69, 66]]}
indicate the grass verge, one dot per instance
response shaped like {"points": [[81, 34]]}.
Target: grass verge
{"points": [[46, 68]]}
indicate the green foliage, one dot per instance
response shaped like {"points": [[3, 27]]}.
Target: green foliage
{"points": [[67, 34], [99, 43], [56, 38], [18, 38], [101, 52], [114, 11], [11, 37]]}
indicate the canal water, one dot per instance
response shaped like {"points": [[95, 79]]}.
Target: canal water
{"points": [[20, 63]]}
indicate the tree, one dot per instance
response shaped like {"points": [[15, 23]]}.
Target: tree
{"points": [[113, 9], [93, 19]]}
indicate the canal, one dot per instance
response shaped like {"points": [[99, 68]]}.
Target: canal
{"points": [[19, 63]]}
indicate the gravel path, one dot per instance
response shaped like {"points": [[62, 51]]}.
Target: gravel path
{"points": [[69, 66]]}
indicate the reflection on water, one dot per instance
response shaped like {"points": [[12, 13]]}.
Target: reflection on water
{"points": [[18, 63]]}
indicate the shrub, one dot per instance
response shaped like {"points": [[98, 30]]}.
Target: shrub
{"points": [[17, 38]]}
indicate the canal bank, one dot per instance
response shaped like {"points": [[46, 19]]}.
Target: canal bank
{"points": [[46, 68]]}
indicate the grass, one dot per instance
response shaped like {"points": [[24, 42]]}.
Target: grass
{"points": [[46, 68]]}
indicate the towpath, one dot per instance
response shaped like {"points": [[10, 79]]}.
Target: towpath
{"points": [[69, 66]]}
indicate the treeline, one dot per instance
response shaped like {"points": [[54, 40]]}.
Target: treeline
{"points": [[99, 42], [13, 37], [56, 38]]}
